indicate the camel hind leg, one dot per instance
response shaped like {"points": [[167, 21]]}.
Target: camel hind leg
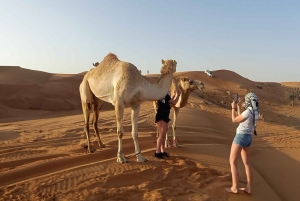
{"points": [[97, 107], [86, 102], [86, 113]]}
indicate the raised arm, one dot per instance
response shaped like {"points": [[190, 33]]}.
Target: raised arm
{"points": [[239, 118], [175, 98]]}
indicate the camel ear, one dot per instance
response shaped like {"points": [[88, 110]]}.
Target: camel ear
{"points": [[163, 62], [200, 85], [181, 78]]}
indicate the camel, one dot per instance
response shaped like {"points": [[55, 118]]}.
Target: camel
{"points": [[185, 86], [120, 83]]}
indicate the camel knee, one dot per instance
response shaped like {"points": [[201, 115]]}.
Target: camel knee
{"points": [[94, 123], [134, 135], [86, 127], [89, 106], [120, 134]]}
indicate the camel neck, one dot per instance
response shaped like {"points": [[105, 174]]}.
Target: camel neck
{"points": [[184, 98], [163, 80], [154, 92]]}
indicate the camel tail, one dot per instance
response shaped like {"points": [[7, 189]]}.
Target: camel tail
{"points": [[86, 94]]}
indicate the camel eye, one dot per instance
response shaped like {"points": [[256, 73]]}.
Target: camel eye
{"points": [[191, 81]]}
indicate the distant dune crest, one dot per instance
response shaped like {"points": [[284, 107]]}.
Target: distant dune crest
{"points": [[32, 90]]}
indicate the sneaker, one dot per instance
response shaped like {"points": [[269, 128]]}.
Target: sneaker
{"points": [[158, 155], [165, 154]]}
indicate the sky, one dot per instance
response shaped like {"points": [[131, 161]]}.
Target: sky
{"points": [[259, 40]]}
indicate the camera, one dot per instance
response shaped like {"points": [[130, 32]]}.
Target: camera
{"points": [[236, 98]]}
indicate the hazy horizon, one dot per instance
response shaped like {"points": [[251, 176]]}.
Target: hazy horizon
{"points": [[259, 40]]}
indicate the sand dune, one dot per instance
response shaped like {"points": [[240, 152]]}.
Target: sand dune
{"points": [[291, 84], [41, 138]]}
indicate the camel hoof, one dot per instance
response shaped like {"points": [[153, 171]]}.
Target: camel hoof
{"points": [[102, 146], [140, 158], [121, 159], [91, 151], [167, 143], [175, 143]]}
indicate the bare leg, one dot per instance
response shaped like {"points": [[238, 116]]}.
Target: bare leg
{"points": [[164, 138], [163, 128], [155, 105], [135, 109], [235, 153], [246, 160]]}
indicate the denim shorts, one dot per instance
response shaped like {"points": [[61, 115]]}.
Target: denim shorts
{"points": [[244, 140]]}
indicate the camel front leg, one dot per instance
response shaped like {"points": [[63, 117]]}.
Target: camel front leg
{"points": [[155, 105], [175, 141], [167, 141], [119, 109], [135, 109], [97, 106]]}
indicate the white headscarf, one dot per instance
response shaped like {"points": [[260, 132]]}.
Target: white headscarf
{"points": [[251, 102]]}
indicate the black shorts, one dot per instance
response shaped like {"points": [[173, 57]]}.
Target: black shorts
{"points": [[162, 115]]}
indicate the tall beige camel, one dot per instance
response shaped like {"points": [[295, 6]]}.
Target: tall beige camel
{"points": [[121, 84], [185, 86]]}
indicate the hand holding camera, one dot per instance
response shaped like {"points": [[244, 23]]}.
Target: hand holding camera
{"points": [[236, 98], [235, 101]]}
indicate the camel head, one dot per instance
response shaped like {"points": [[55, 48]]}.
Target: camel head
{"points": [[96, 64], [169, 66], [190, 85]]}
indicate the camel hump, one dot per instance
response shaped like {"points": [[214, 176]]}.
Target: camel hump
{"points": [[111, 57]]}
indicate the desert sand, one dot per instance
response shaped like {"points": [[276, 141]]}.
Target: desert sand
{"points": [[42, 155]]}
